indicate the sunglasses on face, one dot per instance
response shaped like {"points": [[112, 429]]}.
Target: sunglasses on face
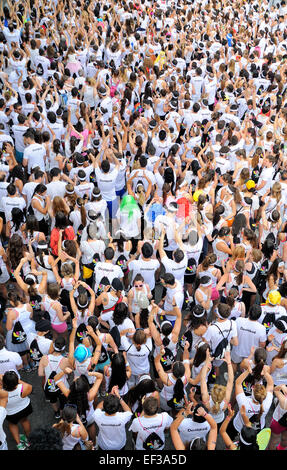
{"points": [[139, 285]]}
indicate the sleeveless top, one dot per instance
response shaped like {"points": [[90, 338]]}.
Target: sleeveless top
{"points": [[221, 256], [280, 375], [39, 216], [137, 294], [48, 305], [167, 390], [45, 267], [15, 402], [54, 363], [70, 441], [111, 303], [24, 318]]}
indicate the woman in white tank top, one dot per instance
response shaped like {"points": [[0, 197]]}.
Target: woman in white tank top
{"points": [[278, 369], [18, 406], [72, 433], [16, 338]]}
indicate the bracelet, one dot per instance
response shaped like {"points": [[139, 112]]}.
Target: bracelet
{"points": [[205, 414], [186, 361]]}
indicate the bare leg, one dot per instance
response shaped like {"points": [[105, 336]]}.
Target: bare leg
{"points": [[15, 432]]}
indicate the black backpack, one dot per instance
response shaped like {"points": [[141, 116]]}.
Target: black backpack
{"points": [[268, 321], [222, 345], [187, 336], [35, 352], [115, 334], [51, 386], [153, 441], [18, 334], [81, 332], [167, 359]]}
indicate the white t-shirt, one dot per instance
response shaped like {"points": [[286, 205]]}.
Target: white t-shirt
{"points": [[3, 414], [106, 183], [251, 409], [9, 360], [138, 360], [35, 154], [146, 268], [56, 188], [145, 426], [8, 203], [112, 432], [213, 335], [109, 270], [190, 430], [250, 333], [177, 269], [28, 190]]}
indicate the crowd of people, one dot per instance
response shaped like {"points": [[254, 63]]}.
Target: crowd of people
{"points": [[143, 223]]}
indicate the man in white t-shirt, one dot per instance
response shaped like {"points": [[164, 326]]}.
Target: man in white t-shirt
{"points": [[149, 428], [9, 360], [111, 422], [220, 329], [250, 334], [177, 265], [29, 187], [107, 269], [266, 176], [174, 296], [34, 154], [56, 187], [106, 180], [8, 203], [145, 265]]}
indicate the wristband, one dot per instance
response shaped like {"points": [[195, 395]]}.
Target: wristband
{"points": [[186, 361], [127, 364]]}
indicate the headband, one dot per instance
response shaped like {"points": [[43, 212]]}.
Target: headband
{"points": [[244, 442], [31, 276], [59, 349], [164, 322], [42, 247], [199, 315], [70, 192]]}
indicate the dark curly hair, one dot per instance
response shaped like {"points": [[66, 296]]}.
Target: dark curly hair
{"points": [[120, 313], [15, 251], [45, 438], [79, 396]]}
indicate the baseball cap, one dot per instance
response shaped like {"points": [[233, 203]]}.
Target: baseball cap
{"points": [[250, 184], [196, 194], [82, 353], [274, 297]]}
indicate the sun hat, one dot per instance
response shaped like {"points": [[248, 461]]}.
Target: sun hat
{"points": [[82, 353]]}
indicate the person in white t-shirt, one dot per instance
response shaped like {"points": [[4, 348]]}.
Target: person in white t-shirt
{"points": [[111, 422], [34, 154], [250, 333], [220, 329], [107, 269], [149, 428], [106, 180], [9, 360], [145, 265], [256, 406]]}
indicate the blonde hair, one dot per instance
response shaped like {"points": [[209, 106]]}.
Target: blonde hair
{"points": [[238, 252], [217, 394], [67, 269], [276, 191], [259, 393]]}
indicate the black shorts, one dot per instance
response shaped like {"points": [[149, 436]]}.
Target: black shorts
{"points": [[14, 419], [54, 397]]}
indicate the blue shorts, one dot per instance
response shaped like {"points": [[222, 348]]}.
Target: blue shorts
{"points": [[121, 192], [19, 156], [112, 208]]}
